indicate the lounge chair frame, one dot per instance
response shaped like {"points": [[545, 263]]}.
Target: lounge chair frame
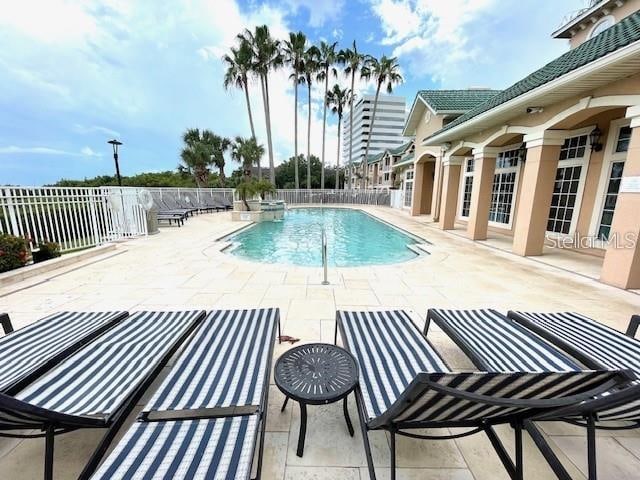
{"points": [[519, 422], [63, 423], [5, 322]]}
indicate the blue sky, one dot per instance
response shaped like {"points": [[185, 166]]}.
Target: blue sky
{"points": [[78, 73]]}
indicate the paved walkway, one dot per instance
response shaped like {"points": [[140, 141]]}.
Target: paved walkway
{"points": [[183, 268]]}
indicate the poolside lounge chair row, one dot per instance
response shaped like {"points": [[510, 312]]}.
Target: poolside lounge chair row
{"points": [[176, 209], [207, 417]]}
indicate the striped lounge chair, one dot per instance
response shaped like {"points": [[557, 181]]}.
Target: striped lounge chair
{"points": [[405, 385], [25, 354], [99, 385], [496, 343], [208, 416]]}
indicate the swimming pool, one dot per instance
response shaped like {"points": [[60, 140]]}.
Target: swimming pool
{"points": [[354, 238]]}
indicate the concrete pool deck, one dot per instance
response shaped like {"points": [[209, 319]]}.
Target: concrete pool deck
{"points": [[184, 268]]}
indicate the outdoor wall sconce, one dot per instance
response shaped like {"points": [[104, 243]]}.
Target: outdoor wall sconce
{"points": [[594, 140]]}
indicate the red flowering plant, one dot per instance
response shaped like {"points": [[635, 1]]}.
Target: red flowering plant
{"points": [[14, 252]]}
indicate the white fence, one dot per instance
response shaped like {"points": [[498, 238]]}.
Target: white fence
{"points": [[317, 196], [72, 217], [396, 199]]}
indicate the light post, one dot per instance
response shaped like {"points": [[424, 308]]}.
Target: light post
{"points": [[115, 143]]}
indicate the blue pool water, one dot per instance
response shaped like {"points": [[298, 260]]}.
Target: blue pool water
{"points": [[353, 239]]}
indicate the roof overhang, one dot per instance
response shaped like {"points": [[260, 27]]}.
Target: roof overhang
{"points": [[568, 29], [622, 63]]}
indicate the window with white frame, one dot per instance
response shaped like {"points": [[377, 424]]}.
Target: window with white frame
{"points": [[614, 177], [408, 188], [467, 186], [567, 184], [504, 186], [604, 24]]}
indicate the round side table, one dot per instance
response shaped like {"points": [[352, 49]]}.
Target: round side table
{"points": [[316, 374]]}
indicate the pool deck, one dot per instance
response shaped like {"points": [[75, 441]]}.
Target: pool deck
{"points": [[184, 268]]}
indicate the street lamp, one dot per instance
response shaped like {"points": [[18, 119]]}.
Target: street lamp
{"points": [[115, 143]]}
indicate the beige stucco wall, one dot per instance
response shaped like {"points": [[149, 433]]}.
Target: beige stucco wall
{"points": [[424, 129], [627, 8]]}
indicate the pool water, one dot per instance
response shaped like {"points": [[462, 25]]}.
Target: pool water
{"points": [[354, 238]]}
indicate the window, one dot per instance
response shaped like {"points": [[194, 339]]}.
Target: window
{"points": [[567, 184], [601, 26], [504, 185], [386, 177], [408, 188], [624, 135], [610, 199], [467, 186]]}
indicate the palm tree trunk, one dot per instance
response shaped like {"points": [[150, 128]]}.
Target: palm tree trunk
{"points": [[366, 150], [309, 140], [295, 131], [222, 176], [253, 130], [272, 170], [324, 123], [353, 79], [338, 157]]}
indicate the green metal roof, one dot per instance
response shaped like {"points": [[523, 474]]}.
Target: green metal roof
{"points": [[401, 148], [408, 160], [377, 157], [456, 100], [620, 35]]}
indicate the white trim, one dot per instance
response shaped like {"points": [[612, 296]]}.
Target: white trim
{"points": [[606, 18], [485, 152], [505, 130], [609, 157], [517, 168], [526, 98], [554, 137], [463, 176], [633, 113]]}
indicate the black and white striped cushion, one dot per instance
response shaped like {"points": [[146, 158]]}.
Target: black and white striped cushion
{"points": [[390, 351], [98, 379], [603, 345], [223, 365], [429, 405], [27, 350], [184, 449], [500, 344]]}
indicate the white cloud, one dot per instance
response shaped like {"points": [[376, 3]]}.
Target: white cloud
{"points": [[431, 35], [319, 10], [14, 150], [87, 129], [87, 152]]}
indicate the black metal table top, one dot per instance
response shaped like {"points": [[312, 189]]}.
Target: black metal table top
{"points": [[316, 373]]}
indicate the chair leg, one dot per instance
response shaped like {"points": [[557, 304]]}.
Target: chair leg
{"points": [[517, 428], [591, 448], [393, 454], [48, 453], [345, 409]]}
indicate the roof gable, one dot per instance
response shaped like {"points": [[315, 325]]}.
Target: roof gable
{"points": [[455, 101]]}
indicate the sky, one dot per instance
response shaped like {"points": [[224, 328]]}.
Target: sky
{"points": [[74, 74]]}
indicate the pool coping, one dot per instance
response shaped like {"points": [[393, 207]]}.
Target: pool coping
{"points": [[418, 248]]}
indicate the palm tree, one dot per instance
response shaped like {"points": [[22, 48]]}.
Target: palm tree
{"points": [[385, 71], [293, 51], [239, 64], [218, 146], [326, 60], [247, 152], [196, 156], [336, 99], [353, 61], [310, 67], [266, 57]]}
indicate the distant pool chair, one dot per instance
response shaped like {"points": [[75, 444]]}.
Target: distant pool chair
{"points": [[494, 342], [405, 385], [214, 400], [99, 385], [29, 352]]}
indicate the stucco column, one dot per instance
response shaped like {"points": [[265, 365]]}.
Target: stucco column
{"points": [[418, 178], [621, 265], [484, 167], [536, 190], [450, 183], [437, 189]]}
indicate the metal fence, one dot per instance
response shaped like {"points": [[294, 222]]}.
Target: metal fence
{"points": [[348, 197], [74, 218]]}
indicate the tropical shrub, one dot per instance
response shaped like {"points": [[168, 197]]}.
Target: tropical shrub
{"points": [[14, 252], [262, 187], [46, 251], [246, 189]]}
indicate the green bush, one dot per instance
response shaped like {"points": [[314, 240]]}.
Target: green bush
{"points": [[14, 252], [46, 251]]}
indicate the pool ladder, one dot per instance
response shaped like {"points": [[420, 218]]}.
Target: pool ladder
{"points": [[324, 257]]}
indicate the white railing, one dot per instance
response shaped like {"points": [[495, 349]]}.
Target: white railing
{"points": [[317, 196], [397, 198], [74, 218]]}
